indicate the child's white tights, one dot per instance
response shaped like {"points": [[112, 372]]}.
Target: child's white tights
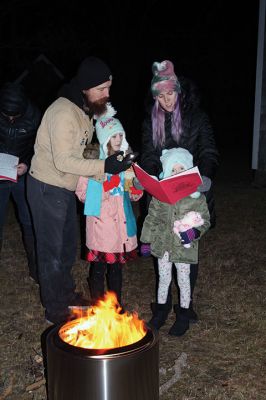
{"points": [[165, 278]]}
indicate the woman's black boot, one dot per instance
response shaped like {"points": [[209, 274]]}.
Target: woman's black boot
{"points": [[192, 315], [181, 324]]}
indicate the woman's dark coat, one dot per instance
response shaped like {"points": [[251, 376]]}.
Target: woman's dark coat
{"points": [[197, 137]]}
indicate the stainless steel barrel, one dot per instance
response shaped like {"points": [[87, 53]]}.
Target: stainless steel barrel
{"points": [[125, 373]]}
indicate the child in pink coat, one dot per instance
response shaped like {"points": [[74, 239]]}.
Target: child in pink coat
{"points": [[110, 223]]}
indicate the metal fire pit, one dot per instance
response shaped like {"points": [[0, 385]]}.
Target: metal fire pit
{"points": [[124, 373]]}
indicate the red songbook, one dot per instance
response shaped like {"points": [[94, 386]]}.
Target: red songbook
{"points": [[172, 189]]}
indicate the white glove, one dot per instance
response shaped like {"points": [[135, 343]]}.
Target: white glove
{"points": [[136, 184], [206, 184]]}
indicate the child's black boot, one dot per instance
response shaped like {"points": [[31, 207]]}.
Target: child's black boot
{"points": [[96, 280], [159, 314], [181, 324], [114, 279]]}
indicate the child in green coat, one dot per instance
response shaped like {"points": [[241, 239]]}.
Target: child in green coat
{"points": [[169, 246]]}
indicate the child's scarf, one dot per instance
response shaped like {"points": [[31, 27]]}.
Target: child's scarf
{"points": [[93, 199]]}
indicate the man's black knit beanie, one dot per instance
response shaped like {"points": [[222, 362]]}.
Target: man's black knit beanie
{"points": [[92, 72]]}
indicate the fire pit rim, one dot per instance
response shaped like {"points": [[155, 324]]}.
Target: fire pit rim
{"points": [[148, 339]]}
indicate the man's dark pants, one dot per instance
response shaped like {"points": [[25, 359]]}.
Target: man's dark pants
{"points": [[17, 191], [55, 224]]}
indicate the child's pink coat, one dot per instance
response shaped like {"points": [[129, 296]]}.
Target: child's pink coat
{"points": [[107, 233]]}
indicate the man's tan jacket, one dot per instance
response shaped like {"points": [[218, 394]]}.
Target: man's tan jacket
{"points": [[58, 152]]}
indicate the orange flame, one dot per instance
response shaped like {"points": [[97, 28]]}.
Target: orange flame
{"points": [[103, 327]]}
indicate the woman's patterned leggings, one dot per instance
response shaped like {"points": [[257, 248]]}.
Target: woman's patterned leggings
{"points": [[165, 278]]}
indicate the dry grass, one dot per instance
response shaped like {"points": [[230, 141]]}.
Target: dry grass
{"points": [[220, 358]]}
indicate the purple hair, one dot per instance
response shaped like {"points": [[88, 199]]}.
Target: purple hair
{"points": [[158, 118]]}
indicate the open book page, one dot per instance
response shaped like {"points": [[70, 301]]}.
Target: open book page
{"points": [[186, 172], [171, 189], [8, 167]]}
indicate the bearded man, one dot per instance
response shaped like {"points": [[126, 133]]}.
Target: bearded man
{"points": [[66, 128]]}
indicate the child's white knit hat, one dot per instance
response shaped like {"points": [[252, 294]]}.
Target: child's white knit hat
{"points": [[107, 126]]}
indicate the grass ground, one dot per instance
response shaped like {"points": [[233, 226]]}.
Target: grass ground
{"points": [[220, 358]]}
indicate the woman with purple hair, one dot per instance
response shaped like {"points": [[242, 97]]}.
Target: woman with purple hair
{"points": [[176, 119]]}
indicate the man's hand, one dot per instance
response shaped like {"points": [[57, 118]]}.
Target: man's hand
{"points": [[22, 169], [116, 163]]}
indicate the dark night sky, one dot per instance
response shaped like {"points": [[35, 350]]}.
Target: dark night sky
{"points": [[213, 42]]}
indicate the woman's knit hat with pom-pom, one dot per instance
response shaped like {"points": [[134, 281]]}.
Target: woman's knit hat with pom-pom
{"points": [[164, 78]]}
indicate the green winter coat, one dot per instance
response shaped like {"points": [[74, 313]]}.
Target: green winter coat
{"points": [[158, 228]]}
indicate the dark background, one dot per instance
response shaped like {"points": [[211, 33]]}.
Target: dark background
{"points": [[212, 42]]}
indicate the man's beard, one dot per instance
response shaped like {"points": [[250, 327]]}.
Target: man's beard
{"points": [[97, 107]]}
